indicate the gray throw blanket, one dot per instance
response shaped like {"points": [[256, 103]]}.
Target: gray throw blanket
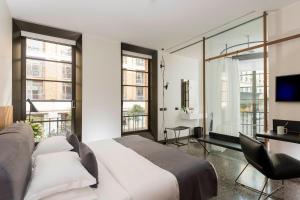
{"points": [[196, 178]]}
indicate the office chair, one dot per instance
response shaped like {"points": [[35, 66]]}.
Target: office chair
{"points": [[272, 166]]}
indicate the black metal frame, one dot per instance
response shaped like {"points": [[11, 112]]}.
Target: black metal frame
{"points": [[152, 84], [136, 86], [260, 192], [19, 68], [55, 81], [254, 125]]}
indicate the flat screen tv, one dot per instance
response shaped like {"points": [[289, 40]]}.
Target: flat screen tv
{"points": [[288, 88]]}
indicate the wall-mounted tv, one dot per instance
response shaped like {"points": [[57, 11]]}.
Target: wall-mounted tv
{"points": [[288, 88]]}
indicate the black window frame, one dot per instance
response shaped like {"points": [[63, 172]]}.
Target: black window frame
{"points": [[136, 99], [51, 121], [19, 69], [152, 87]]}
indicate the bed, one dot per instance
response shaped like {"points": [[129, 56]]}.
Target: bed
{"points": [[129, 168]]}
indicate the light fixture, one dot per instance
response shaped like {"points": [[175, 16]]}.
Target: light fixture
{"points": [[32, 108], [164, 88]]}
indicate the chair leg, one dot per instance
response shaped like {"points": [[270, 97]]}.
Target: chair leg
{"points": [[203, 145], [276, 190], [241, 173], [262, 191]]}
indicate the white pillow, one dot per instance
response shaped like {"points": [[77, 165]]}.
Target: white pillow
{"points": [[57, 172], [86, 193], [51, 145]]}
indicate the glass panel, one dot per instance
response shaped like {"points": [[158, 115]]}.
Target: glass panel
{"points": [[132, 93], [47, 90], [52, 108], [135, 78], [137, 64], [51, 128], [235, 94], [135, 108], [54, 117], [44, 70], [50, 95], [235, 84], [134, 123], [49, 51], [247, 35]]}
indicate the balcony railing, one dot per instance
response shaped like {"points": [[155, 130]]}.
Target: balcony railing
{"points": [[54, 126], [247, 124], [135, 123]]}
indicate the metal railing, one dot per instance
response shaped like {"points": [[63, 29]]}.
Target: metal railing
{"points": [[54, 126], [133, 123], [248, 126]]}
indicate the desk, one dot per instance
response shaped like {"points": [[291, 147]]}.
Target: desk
{"points": [[175, 129], [289, 137]]}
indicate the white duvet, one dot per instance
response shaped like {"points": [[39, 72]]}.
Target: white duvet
{"points": [[124, 174]]}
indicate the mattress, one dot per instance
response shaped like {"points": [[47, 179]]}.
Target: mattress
{"points": [[145, 170], [137, 176]]}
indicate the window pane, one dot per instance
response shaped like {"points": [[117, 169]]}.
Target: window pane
{"points": [[47, 50], [135, 108], [138, 64], [247, 35], [44, 70], [135, 93], [54, 117], [134, 123], [135, 78], [53, 127], [47, 90], [52, 109]]}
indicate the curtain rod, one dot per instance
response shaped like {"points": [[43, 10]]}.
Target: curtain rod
{"points": [[214, 35]]}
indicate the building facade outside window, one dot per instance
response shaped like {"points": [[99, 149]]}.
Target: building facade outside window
{"points": [[135, 94], [49, 85]]}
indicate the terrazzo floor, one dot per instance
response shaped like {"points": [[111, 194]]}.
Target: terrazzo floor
{"points": [[229, 164]]}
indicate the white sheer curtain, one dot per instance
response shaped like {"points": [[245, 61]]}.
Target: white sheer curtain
{"points": [[223, 96]]}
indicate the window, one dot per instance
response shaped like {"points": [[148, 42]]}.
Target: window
{"points": [[140, 62], [139, 93], [67, 72], [35, 90], [139, 78], [35, 69], [49, 85], [135, 90], [252, 102], [67, 91]]}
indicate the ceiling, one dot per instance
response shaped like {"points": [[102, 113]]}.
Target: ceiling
{"points": [[149, 23]]}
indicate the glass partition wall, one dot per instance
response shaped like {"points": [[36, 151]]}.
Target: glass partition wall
{"points": [[235, 84]]}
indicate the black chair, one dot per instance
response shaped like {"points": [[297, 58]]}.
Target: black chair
{"points": [[273, 166]]}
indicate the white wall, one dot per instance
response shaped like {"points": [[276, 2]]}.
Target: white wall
{"points": [[284, 60], [5, 55], [101, 88], [177, 68]]}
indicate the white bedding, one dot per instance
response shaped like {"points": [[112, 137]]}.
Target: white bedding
{"points": [[124, 174], [109, 188]]}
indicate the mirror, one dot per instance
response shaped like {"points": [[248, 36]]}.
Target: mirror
{"points": [[185, 94]]}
